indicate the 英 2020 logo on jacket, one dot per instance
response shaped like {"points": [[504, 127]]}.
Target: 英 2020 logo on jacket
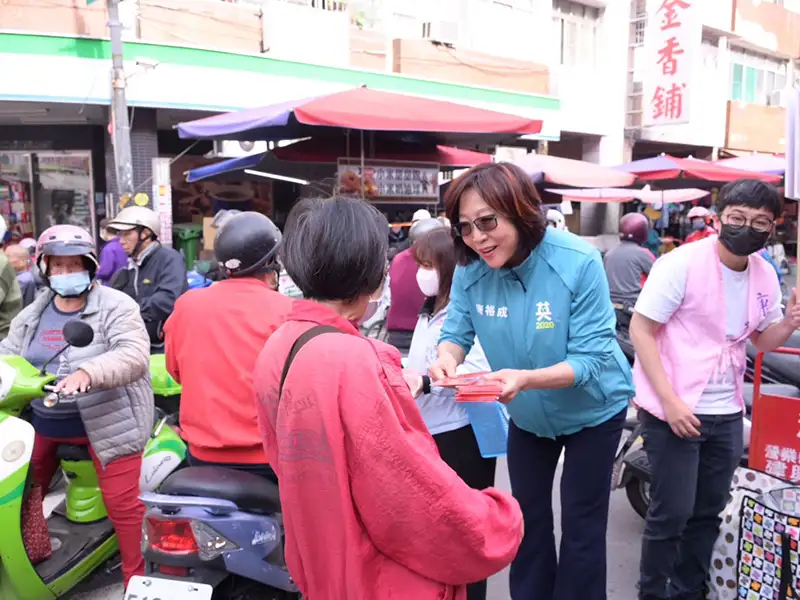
{"points": [[544, 316]]}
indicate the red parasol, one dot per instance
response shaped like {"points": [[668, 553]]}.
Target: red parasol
{"points": [[329, 150]]}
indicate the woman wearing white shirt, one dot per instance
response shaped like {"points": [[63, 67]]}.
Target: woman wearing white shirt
{"points": [[446, 420]]}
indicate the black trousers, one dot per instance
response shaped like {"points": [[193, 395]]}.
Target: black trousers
{"points": [[578, 570], [459, 449]]}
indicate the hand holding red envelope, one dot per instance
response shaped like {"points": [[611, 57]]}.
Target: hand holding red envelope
{"points": [[473, 387]]}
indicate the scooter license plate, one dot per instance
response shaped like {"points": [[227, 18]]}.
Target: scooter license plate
{"points": [[153, 588]]}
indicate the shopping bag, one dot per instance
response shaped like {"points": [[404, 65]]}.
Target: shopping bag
{"points": [[768, 548], [723, 573]]}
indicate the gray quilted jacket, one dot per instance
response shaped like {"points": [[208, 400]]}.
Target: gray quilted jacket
{"points": [[118, 412]]}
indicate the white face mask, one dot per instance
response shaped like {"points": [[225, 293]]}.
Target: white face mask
{"points": [[428, 282]]}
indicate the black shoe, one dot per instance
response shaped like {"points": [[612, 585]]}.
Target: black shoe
{"points": [[701, 595]]}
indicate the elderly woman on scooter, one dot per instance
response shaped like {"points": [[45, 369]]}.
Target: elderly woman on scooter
{"points": [[113, 415], [371, 511]]}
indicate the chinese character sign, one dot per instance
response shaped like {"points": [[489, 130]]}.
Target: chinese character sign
{"points": [[383, 180], [775, 437], [672, 45]]}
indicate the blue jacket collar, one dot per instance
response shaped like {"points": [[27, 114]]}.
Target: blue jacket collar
{"points": [[478, 269]]}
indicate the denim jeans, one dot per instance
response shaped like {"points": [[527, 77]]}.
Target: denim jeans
{"points": [[689, 488]]}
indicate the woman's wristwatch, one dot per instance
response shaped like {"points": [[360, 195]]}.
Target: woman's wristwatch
{"points": [[426, 384]]}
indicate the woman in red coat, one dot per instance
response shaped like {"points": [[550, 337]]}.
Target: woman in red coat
{"points": [[371, 511]]}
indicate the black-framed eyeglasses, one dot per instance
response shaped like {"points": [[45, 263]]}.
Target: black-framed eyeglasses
{"points": [[738, 220], [486, 223]]}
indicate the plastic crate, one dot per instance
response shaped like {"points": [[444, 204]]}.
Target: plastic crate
{"points": [[489, 421]]}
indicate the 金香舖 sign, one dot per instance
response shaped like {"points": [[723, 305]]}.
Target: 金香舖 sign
{"points": [[672, 46]]}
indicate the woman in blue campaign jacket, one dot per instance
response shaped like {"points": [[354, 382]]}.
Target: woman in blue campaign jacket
{"points": [[538, 300]]}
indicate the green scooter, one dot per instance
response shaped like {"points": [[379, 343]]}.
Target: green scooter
{"points": [[80, 523]]}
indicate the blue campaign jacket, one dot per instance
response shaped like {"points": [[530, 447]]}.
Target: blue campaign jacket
{"points": [[554, 307]]}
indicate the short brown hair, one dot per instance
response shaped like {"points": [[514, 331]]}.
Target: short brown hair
{"points": [[508, 190], [436, 250]]}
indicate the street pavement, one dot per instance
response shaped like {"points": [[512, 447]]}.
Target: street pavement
{"points": [[624, 536]]}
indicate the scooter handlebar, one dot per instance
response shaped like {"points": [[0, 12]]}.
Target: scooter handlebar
{"points": [[54, 396]]}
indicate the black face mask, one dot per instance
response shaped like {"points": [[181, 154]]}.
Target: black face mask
{"points": [[743, 241]]}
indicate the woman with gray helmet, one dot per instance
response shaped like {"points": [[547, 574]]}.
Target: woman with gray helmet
{"points": [[407, 298], [156, 274]]}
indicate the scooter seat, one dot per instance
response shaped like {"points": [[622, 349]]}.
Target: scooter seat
{"points": [[771, 389], [73, 453], [251, 493]]}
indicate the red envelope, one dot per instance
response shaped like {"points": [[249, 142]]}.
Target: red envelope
{"points": [[462, 380], [479, 392]]}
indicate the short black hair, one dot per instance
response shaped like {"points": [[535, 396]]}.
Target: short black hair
{"points": [[751, 193], [335, 249]]}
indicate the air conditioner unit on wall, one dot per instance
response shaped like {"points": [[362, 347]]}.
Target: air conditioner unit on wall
{"points": [[777, 98], [440, 32], [234, 149]]}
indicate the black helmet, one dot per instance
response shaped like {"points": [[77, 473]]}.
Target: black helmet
{"points": [[247, 244]]}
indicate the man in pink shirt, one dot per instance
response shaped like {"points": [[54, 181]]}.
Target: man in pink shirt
{"points": [[699, 306], [407, 299]]}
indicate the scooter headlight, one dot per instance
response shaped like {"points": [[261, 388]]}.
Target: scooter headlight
{"points": [[13, 451]]}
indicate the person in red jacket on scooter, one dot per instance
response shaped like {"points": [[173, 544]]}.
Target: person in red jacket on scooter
{"points": [[213, 339], [702, 221]]}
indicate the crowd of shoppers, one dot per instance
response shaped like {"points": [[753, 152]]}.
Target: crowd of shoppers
{"points": [[384, 489]]}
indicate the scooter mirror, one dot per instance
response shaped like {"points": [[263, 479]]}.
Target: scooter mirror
{"points": [[78, 334]]}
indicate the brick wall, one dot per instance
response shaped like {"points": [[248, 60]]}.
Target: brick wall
{"points": [[420, 58], [367, 49], [201, 23], [755, 127], [68, 17], [144, 148]]}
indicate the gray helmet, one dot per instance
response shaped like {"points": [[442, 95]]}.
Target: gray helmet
{"points": [[422, 227]]}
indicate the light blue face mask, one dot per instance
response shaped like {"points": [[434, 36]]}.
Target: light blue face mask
{"points": [[70, 284]]}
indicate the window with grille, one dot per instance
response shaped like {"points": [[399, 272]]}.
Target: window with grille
{"points": [[638, 22], [576, 26], [754, 77]]}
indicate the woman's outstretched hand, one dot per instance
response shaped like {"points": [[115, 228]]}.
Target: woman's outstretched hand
{"points": [[513, 381], [414, 382], [443, 367]]}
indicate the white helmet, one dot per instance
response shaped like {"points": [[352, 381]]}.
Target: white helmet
{"points": [[556, 220], [698, 212], [420, 215], [3, 229], [136, 216]]}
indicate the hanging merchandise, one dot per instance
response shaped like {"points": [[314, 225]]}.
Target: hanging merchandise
{"points": [[15, 208]]}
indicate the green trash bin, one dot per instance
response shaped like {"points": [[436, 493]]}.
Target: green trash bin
{"points": [[187, 238]]}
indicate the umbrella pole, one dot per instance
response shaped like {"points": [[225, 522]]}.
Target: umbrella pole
{"points": [[363, 172]]}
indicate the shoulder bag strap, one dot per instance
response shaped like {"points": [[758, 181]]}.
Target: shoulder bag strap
{"points": [[302, 341]]}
